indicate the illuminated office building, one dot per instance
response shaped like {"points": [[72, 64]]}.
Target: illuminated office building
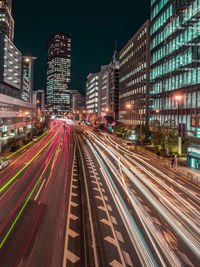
{"points": [[93, 95], [175, 62], [58, 72], [27, 78], [6, 19], [134, 80], [104, 107], [10, 67]]}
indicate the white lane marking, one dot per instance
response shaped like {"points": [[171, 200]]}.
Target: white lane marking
{"points": [[109, 207], [105, 222], [115, 264], [73, 204], [113, 220], [74, 194], [72, 233], [67, 253], [119, 236], [106, 198], [110, 240], [73, 217], [39, 190], [99, 197], [95, 188], [102, 208], [72, 257], [127, 258]]}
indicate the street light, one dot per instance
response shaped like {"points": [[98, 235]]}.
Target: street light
{"points": [[129, 106]]}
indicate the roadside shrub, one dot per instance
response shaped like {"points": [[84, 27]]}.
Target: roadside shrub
{"points": [[14, 148]]}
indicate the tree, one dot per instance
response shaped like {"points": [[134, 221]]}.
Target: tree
{"points": [[169, 135], [156, 133]]}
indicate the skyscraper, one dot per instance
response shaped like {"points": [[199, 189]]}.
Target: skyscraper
{"points": [[6, 19], [58, 72]]}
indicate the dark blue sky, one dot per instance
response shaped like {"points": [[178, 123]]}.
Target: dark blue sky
{"points": [[93, 25]]}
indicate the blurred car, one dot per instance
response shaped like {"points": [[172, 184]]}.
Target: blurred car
{"points": [[4, 162], [96, 129], [129, 145], [35, 139]]}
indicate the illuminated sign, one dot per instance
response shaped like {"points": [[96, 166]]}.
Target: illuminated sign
{"points": [[198, 132]]}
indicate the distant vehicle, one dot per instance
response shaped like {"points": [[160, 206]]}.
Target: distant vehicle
{"points": [[96, 129], [4, 162], [35, 139], [129, 145]]}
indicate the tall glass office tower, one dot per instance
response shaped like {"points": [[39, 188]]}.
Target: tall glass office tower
{"points": [[175, 62], [58, 72], [6, 19]]}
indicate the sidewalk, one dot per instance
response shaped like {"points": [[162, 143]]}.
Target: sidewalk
{"points": [[185, 172]]}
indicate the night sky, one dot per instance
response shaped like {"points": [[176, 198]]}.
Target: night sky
{"points": [[93, 25]]}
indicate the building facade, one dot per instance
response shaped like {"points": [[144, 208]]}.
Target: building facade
{"points": [[77, 101], [27, 78], [175, 62], [58, 72], [104, 92], [114, 86], [10, 67], [17, 119], [134, 78], [6, 19], [93, 95]]}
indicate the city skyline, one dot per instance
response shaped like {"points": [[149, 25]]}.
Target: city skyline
{"points": [[90, 50]]}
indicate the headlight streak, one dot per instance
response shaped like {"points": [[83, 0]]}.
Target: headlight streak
{"points": [[135, 235], [140, 158], [147, 223], [172, 206], [186, 236]]}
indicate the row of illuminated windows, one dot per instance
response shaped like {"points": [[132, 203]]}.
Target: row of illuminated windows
{"points": [[139, 68], [173, 64], [179, 41], [186, 119], [158, 7], [176, 23], [133, 92], [140, 35], [189, 101], [190, 77], [91, 85], [93, 95], [137, 80], [141, 48], [165, 15], [152, 2], [95, 78]]}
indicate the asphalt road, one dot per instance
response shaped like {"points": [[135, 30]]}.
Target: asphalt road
{"points": [[34, 201], [79, 198], [145, 215]]}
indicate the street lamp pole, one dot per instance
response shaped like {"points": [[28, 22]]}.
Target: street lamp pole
{"points": [[129, 106]]}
